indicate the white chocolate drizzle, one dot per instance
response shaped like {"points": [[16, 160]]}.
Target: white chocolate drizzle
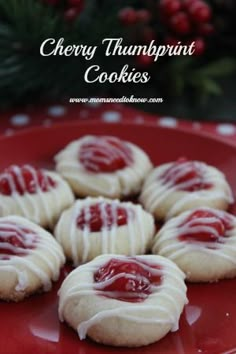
{"points": [[157, 188], [25, 260], [167, 241], [134, 312]]}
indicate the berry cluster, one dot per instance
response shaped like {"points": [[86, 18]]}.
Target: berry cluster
{"points": [[71, 9], [187, 20], [170, 21], [139, 18]]}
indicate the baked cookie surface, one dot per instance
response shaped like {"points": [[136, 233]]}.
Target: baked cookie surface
{"points": [[103, 166], [123, 301], [202, 242], [39, 195], [95, 226], [175, 187], [30, 258]]}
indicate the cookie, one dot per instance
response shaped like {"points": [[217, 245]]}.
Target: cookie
{"points": [[202, 242], [30, 258], [103, 166], [123, 301], [175, 187], [39, 195], [95, 226]]}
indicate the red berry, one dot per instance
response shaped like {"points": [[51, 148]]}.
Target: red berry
{"points": [[79, 4], [171, 40], [200, 46], [180, 23], [71, 14], [128, 16], [143, 15], [144, 60], [187, 3], [51, 2], [170, 7], [200, 12], [148, 35], [205, 29]]}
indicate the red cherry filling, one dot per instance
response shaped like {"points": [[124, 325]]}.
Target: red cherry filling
{"points": [[186, 176], [130, 280], [103, 215], [105, 154], [15, 240], [197, 221], [24, 179]]}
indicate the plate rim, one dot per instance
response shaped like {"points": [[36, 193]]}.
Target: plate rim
{"points": [[95, 122]]}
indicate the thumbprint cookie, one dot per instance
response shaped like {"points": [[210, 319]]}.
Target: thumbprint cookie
{"points": [[123, 301], [178, 186], [36, 194], [95, 226], [30, 258], [103, 166], [202, 242]]}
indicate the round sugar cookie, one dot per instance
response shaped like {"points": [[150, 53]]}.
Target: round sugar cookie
{"points": [[103, 166], [123, 301], [178, 186], [39, 195], [202, 242], [30, 258], [95, 226]]}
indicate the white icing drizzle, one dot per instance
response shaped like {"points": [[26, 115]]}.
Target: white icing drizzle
{"points": [[24, 261], [141, 227], [109, 234], [127, 310], [8, 230], [157, 189], [166, 242], [40, 192], [108, 151], [104, 229], [21, 275]]}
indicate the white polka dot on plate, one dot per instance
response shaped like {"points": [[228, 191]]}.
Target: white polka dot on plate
{"points": [[9, 132], [226, 129], [83, 114], [196, 125], [111, 117], [47, 123], [139, 120], [93, 104], [20, 120], [57, 111], [170, 122]]}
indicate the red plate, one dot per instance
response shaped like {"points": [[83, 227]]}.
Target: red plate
{"points": [[208, 323]]}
